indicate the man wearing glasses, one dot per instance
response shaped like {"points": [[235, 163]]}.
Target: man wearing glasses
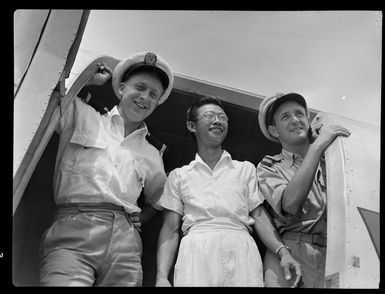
{"points": [[217, 199]]}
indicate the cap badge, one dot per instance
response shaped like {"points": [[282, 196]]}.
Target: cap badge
{"points": [[279, 95], [150, 58]]}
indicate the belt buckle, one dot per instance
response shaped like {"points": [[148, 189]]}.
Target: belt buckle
{"points": [[81, 207]]}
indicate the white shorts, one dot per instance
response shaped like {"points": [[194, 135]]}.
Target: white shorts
{"points": [[222, 258]]}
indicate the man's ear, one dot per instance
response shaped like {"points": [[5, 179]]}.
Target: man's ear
{"points": [[273, 131], [121, 87], [191, 127]]}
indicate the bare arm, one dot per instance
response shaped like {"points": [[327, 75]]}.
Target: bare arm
{"points": [[167, 246], [147, 214], [299, 186], [269, 236]]}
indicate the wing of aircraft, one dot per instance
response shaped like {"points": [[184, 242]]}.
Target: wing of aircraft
{"points": [[45, 46], [352, 163]]}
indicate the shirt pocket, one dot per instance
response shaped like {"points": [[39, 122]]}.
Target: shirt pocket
{"points": [[87, 156], [132, 176]]}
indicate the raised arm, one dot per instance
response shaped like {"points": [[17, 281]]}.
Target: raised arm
{"points": [[299, 186]]}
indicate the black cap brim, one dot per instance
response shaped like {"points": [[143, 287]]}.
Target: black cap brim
{"points": [[288, 97], [143, 67]]}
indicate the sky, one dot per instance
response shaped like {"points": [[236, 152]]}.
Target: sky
{"points": [[332, 58]]}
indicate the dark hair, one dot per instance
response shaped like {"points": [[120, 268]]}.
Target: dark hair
{"points": [[192, 112]]}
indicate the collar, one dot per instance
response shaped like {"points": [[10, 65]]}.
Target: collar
{"points": [[224, 157], [291, 158], [114, 114], [114, 111]]}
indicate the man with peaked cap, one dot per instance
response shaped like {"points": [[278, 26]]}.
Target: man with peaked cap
{"points": [[103, 164], [293, 184]]}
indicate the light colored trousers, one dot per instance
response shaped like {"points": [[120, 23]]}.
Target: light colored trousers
{"points": [[312, 259], [222, 258], [91, 249]]}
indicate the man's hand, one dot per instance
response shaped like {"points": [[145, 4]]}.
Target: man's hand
{"points": [[102, 75], [162, 282], [135, 219], [326, 134], [289, 264]]}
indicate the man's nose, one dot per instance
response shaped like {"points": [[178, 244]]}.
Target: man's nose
{"points": [[294, 118], [145, 95]]}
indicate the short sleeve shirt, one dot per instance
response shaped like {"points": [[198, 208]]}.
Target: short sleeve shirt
{"points": [[96, 163], [274, 173], [221, 197]]}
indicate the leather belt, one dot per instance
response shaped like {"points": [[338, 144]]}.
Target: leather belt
{"points": [[315, 239], [69, 208]]}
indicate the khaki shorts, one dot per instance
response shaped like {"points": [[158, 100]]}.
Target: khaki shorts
{"points": [[94, 248], [312, 259]]}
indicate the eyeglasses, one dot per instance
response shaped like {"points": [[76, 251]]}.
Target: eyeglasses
{"points": [[210, 117]]}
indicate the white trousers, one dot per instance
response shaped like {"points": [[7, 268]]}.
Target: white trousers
{"points": [[222, 258]]}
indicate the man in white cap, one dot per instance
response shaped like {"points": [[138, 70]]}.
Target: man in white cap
{"points": [[294, 185], [103, 164]]}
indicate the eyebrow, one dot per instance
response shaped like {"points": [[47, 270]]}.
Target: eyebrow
{"points": [[284, 113], [296, 110], [214, 112], [300, 110]]}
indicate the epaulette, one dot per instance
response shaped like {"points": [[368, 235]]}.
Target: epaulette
{"points": [[157, 144], [269, 160]]}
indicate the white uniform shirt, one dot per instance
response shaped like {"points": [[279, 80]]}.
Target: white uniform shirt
{"points": [[95, 163], [223, 197]]}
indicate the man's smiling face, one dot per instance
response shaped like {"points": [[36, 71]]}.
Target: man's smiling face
{"points": [[291, 123], [140, 96], [211, 132]]}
